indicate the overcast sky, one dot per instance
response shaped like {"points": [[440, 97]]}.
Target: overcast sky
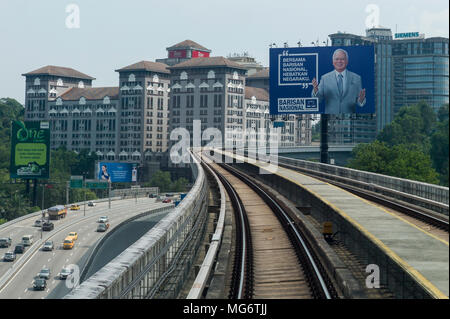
{"points": [[111, 34]]}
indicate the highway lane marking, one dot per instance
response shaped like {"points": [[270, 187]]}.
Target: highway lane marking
{"points": [[63, 224]]}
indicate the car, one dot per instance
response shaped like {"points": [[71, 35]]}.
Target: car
{"points": [[103, 219], [68, 243], [19, 249], [102, 227], [48, 246], [152, 196], [75, 207], [38, 223], [65, 272], [74, 235], [48, 226], [167, 200], [39, 284], [9, 256], [91, 204], [44, 273], [5, 242]]}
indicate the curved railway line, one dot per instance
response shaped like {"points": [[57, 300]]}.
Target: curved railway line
{"points": [[434, 219], [272, 259]]}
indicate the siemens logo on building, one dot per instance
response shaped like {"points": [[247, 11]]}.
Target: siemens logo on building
{"points": [[407, 35]]}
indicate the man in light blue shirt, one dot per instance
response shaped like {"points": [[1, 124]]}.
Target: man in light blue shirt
{"points": [[340, 88]]}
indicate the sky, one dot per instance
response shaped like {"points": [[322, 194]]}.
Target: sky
{"points": [[98, 37]]}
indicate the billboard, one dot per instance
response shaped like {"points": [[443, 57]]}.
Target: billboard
{"points": [[117, 172], [327, 80], [30, 150]]}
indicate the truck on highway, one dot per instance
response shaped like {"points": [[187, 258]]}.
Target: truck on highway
{"points": [[57, 212]]}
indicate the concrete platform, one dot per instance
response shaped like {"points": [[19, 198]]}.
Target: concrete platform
{"points": [[422, 255]]}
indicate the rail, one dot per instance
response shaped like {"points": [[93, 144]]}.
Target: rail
{"points": [[140, 270]]}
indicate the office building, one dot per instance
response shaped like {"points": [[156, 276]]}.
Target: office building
{"points": [[408, 68]]}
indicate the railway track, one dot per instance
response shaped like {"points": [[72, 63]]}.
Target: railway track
{"points": [[272, 258], [435, 219]]}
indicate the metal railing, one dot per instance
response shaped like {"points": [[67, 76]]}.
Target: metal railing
{"points": [[140, 270]]}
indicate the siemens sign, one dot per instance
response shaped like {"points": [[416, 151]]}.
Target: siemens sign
{"points": [[408, 35]]}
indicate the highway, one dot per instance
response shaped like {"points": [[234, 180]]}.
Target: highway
{"points": [[20, 285]]}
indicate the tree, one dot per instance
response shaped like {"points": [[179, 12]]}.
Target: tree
{"points": [[412, 125], [439, 145], [404, 161]]}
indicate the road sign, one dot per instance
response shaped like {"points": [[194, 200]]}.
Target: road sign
{"points": [[93, 184], [76, 181]]}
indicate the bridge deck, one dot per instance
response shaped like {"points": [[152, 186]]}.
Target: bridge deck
{"points": [[423, 255]]}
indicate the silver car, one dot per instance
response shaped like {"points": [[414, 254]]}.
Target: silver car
{"points": [[48, 246], [9, 256], [45, 273]]}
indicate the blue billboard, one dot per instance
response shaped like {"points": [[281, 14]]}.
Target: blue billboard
{"points": [[329, 80], [117, 172]]}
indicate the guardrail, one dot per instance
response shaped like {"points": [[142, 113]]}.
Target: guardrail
{"points": [[140, 270], [430, 196], [205, 269]]}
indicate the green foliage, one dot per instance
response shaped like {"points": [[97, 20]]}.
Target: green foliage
{"points": [[412, 125], [414, 146], [439, 146], [164, 182], [399, 160], [14, 201]]}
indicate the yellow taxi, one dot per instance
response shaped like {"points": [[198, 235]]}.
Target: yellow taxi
{"points": [[68, 243], [73, 235], [75, 207]]}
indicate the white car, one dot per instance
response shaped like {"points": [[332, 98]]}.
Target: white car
{"points": [[65, 272], [38, 223], [91, 204], [103, 219]]}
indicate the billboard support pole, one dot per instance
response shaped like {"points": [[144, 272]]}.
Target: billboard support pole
{"points": [[109, 195], [35, 192], [67, 193], [324, 138]]}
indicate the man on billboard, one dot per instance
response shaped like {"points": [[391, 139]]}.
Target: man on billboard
{"points": [[340, 89]]}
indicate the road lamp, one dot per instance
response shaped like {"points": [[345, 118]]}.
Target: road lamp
{"points": [[84, 180]]}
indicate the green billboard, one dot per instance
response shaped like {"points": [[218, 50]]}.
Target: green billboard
{"points": [[30, 150]]}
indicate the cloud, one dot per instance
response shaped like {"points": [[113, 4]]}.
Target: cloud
{"points": [[434, 23]]}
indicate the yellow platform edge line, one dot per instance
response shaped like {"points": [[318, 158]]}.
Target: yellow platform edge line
{"points": [[433, 290]]}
